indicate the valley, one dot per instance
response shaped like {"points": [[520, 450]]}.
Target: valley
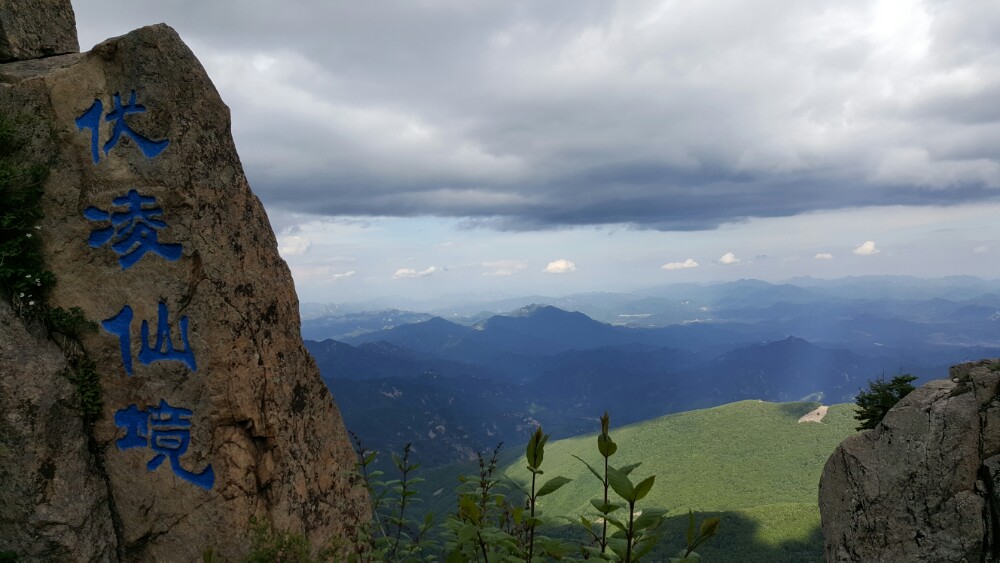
{"points": [[454, 385]]}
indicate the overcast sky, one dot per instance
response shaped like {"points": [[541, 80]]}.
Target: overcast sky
{"points": [[439, 146]]}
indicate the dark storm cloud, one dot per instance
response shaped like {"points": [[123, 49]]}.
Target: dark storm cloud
{"points": [[527, 115]]}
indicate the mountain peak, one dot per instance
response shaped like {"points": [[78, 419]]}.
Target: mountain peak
{"points": [[532, 310]]}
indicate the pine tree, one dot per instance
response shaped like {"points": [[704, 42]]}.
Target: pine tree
{"points": [[882, 396]]}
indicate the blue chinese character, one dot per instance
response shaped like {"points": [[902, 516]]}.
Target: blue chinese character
{"points": [[120, 325], [91, 119], [168, 430], [133, 231], [162, 349], [136, 425]]}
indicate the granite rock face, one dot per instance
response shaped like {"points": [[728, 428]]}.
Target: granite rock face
{"points": [[922, 485], [213, 410], [53, 501], [30, 29]]}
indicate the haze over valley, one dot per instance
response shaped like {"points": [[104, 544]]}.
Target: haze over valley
{"points": [[457, 380]]}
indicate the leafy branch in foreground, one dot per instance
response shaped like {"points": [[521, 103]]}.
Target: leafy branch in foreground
{"points": [[488, 527], [534, 453], [637, 537], [391, 535], [486, 523], [708, 529]]}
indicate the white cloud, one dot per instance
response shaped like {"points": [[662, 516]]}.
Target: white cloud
{"points": [[866, 249], [318, 273], [728, 259], [294, 246], [559, 267], [504, 267], [343, 276], [689, 263], [981, 249], [404, 273], [824, 256]]}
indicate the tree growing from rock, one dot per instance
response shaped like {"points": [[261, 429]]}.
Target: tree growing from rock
{"points": [[881, 396]]}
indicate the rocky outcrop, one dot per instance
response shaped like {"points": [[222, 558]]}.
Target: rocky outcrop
{"points": [[923, 485], [213, 410], [53, 499], [30, 29]]}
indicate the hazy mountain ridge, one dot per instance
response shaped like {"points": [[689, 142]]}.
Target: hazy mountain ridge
{"points": [[562, 368]]}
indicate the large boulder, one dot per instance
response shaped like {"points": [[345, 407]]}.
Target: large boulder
{"points": [[30, 29], [213, 410], [920, 486]]}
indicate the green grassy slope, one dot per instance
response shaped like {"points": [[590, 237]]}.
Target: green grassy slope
{"points": [[751, 462]]}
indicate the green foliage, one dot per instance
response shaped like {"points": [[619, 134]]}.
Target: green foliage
{"points": [[498, 520], [23, 277], [534, 454], [486, 523], [391, 535], [635, 537], [268, 545], [709, 527], [83, 374], [8, 557], [490, 525], [72, 323], [881, 396], [750, 463]]}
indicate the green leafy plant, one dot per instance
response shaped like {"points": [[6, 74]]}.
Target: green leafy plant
{"points": [[486, 523], [880, 397], [392, 535], [71, 323], [494, 522], [268, 545], [208, 555], [24, 280], [535, 453], [607, 448], [489, 527], [707, 530], [23, 277], [637, 537], [83, 374]]}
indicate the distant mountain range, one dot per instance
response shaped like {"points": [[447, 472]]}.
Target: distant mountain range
{"points": [[454, 388]]}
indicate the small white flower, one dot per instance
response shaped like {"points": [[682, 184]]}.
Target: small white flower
{"points": [[22, 294], [28, 276], [38, 227], [31, 303], [28, 235]]}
